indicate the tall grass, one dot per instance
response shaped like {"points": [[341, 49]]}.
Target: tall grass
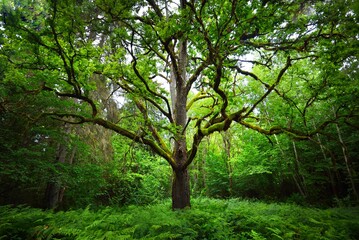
{"points": [[208, 219]]}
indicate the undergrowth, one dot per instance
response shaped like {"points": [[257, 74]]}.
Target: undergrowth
{"points": [[208, 219]]}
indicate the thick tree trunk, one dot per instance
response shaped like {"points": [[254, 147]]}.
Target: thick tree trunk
{"points": [[181, 180], [180, 189], [179, 92], [180, 184]]}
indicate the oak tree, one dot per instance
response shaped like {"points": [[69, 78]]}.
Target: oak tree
{"points": [[166, 57]]}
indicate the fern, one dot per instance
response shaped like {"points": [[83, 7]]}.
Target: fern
{"points": [[208, 219]]}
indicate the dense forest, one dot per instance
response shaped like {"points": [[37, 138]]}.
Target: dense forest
{"points": [[179, 119]]}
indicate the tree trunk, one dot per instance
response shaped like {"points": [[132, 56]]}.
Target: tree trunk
{"points": [[179, 94], [180, 184], [331, 177], [347, 163], [181, 180], [54, 195], [54, 190], [300, 181], [180, 189], [227, 146]]}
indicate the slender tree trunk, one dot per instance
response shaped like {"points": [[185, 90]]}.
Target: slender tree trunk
{"points": [[299, 180], [197, 177], [297, 183], [347, 163], [331, 177], [202, 178], [282, 152], [332, 171], [204, 162], [227, 147]]}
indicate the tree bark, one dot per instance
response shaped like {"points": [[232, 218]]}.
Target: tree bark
{"points": [[181, 181], [180, 189], [180, 184]]}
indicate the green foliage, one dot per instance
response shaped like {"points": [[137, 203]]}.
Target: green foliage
{"points": [[135, 176], [208, 219], [217, 183], [83, 184]]}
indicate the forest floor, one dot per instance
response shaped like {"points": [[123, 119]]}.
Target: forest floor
{"points": [[207, 219]]}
